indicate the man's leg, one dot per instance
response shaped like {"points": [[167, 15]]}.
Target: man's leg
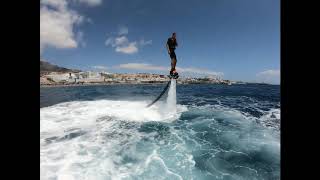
{"points": [[173, 64], [173, 61]]}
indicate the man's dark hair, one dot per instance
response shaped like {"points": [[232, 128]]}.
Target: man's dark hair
{"points": [[173, 34]]}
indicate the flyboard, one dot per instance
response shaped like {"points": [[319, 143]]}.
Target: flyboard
{"points": [[172, 76]]}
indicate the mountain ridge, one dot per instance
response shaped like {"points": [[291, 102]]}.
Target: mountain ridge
{"points": [[46, 67]]}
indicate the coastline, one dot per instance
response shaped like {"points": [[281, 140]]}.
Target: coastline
{"points": [[123, 83], [130, 83], [98, 84], [56, 79]]}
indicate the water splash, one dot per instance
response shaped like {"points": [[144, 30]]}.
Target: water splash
{"points": [[122, 140], [171, 99]]}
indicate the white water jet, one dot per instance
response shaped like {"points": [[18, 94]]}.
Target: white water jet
{"points": [[171, 99]]}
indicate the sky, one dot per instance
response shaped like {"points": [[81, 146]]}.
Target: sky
{"points": [[232, 39]]}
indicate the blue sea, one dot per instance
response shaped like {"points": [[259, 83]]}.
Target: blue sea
{"points": [[195, 131]]}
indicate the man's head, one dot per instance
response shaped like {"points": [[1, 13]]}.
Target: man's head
{"points": [[174, 35]]}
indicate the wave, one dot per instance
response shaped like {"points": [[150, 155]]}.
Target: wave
{"points": [[106, 139], [91, 133]]}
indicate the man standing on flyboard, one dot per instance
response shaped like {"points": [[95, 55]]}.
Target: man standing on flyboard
{"points": [[171, 46]]}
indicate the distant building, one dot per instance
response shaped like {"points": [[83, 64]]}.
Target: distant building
{"points": [[105, 77], [59, 77]]}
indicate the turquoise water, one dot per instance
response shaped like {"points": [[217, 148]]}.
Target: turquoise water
{"points": [[105, 132]]}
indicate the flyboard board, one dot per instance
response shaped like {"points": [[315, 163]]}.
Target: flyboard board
{"points": [[174, 76]]}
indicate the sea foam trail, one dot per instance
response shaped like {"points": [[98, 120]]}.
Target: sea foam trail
{"points": [[214, 138], [83, 112], [94, 139]]}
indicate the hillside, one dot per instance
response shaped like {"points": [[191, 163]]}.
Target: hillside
{"points": [[46, 67]]}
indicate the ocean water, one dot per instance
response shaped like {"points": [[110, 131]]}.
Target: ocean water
{"points": [[212, 132]]}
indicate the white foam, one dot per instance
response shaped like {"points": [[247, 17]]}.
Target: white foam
{"points": [[271, 114], [84, 113], [95, 153], [101, 151]]}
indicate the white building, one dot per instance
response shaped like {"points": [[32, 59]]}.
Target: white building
{"points": [[58, 77]]}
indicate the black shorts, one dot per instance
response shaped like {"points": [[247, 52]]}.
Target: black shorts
{"points": [[173, 55]]}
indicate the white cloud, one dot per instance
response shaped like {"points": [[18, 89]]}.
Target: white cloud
{"points": [[109, 41], [79, 38], [58, 21], [123, 30], [91, 2], [57, 27], [59, 4], [269, 76], [141, 66], [145, 66], [128, 49], [269, 73], [199, 71], [100, 67], [121, 43], [143, 42]]}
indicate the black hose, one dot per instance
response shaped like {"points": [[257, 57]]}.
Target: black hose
{"points": [[164, 90]]}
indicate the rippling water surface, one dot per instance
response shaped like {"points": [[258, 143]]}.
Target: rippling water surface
{"points": [[105, 132]]}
